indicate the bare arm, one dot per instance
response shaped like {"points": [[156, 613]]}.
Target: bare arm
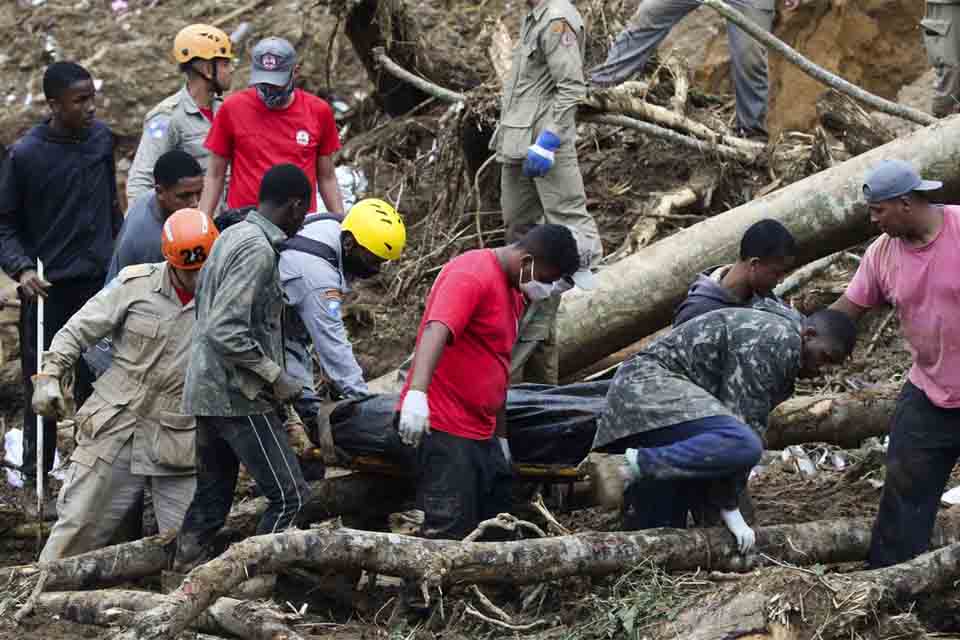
{"points": [[213, 184], [328, 186], [432, 343], [851, 310]]}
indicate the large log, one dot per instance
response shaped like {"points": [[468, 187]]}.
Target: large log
{"points": [[637, 295], [844, 419], [440, 563]]}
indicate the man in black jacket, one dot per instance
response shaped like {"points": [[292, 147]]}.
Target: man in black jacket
{"points": [[58, 204]]}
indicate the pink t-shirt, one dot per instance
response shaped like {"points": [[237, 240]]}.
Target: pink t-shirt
{"points": [[923, 283]]}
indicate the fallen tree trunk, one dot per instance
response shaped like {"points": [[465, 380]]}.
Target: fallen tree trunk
{"points": [[117, 607], [843, 419], [637, 295], [438, 563]]}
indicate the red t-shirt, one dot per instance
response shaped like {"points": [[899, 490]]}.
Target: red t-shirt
{"points": [[472, 297], [207, 113], [254, 139], [184, 295]]}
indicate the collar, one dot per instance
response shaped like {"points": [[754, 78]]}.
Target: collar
{"points": [[538, 11], [274, 234], [153, 208], [165, 286], [190, 105]]}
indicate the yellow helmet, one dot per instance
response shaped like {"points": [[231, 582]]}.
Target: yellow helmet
{"points": [[201, 41], [377, 227]]}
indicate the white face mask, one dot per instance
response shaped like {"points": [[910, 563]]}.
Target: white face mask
{"points": [[534, 289]]}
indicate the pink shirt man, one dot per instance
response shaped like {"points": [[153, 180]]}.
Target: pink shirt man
{"points": [[923, 283]]}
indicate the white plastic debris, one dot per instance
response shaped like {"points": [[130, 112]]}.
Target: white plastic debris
{"points": [[796, 457], [353, 187], [952, 496], [838, 461], [13, 453]]}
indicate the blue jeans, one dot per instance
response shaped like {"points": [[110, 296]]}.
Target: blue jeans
{"points": [[690, 466]]}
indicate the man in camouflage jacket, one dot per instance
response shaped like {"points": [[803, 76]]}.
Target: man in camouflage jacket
{"points": [[690, 409]]}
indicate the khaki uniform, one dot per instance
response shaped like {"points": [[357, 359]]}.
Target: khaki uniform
{"points": [[542, 91], [130, 431], [175, 123]]}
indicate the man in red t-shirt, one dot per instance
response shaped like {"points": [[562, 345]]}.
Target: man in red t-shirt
{"points": [[913, 266], [267, 124], [453, 401]]}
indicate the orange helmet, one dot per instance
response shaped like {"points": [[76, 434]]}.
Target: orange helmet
{"points": [[188, 236], [201, 41]]}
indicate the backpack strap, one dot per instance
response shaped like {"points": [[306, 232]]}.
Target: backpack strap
{"points": [[312, 247]]}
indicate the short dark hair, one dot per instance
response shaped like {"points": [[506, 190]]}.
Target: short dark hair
{"points": [[283, 182], [60, 76], [554, 244], [767, 239], [174, 165], [835, 326]]}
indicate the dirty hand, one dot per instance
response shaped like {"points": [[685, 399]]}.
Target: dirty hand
{"points": [[31, 285], [414, 418], [286, 387], [540, 155], [505, 448], [740, 529], [47, 396]]}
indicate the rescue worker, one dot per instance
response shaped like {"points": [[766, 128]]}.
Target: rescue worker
{"points": [[453, 403], [690, 409], [269, 123], [913, 266], [654, 19], [58, 204], [767, 253], [317, 267], [540, 180], [235, 376], [182, 121], [177, 183], [943, 52], [130, 432]]}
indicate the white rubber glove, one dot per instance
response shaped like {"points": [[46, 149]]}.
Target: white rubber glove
{"points": [[47, 398], [631, 469], [505, 448], [414, 418], [740, 529]]}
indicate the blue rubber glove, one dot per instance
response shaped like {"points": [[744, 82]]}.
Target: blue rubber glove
{"points": [[540, 155]]}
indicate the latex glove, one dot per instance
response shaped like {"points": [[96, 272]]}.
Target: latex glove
{"points": [[740, 529], [631, 468], [414, 418], [540, 155], [505, 448], [47, 396], [286, 387]]}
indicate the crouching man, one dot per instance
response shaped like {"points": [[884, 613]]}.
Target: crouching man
{"points": [[130, 432], [691, 408]]}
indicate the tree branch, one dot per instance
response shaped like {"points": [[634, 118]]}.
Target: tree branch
{"points": [[815, 71]]}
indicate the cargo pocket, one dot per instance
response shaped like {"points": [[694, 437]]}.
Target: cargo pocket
{"points": [[250, 384], [516, 129], [174, 441]]}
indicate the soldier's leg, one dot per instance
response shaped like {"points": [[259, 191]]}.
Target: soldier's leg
{"points": [[171, 499], [519, 201], [946, 90], [749, 61], [564, 201], [535, 357], [923, 449], [93, 501], [649, 25]]}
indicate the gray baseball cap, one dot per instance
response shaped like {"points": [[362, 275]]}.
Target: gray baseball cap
{"points": [[273, 62], [894, 178]]}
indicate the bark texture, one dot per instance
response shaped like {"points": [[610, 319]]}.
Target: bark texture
{"points": [[637, 295], [439, 563]]}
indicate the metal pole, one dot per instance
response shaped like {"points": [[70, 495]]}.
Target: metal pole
{"points": [[41, 469]]}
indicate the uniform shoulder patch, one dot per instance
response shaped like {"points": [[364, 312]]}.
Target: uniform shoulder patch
{"points": [[332, 300], [156, 127], [136, 271]]}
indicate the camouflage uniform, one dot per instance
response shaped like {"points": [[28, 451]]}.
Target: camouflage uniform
{"points": [[542, 91], [735, 362]]}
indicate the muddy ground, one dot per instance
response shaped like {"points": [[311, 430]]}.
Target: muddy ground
{"points": [[874, 43]]}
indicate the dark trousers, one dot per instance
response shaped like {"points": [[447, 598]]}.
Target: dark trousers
{"points": [[700, 466], [260, 443], [64, 299], [924, 446], [460, 482]]}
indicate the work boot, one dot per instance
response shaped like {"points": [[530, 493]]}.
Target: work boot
{"points": [[190, 554]]}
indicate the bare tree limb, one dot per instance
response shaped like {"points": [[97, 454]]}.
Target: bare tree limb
{"points": [[815, 71]]}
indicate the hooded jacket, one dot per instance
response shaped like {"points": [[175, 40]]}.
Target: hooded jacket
{"points": [[707, 294]]}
